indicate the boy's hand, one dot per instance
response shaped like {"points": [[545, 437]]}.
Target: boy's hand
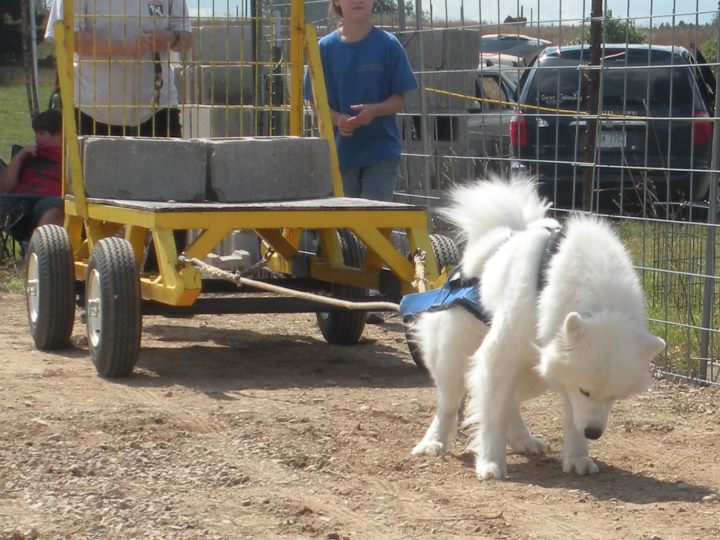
{"points": [[365, 115], [343, 124], [28, 150]]}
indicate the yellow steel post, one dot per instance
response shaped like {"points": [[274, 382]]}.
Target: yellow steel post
{"points": [[297, 43], [322, 109], [71, 146]]}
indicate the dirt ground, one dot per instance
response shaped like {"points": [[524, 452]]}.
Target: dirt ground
{"points": [[252, 426]]}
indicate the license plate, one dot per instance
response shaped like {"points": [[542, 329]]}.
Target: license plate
{"points": [[611, 139]]}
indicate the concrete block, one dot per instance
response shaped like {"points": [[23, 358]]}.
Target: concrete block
{"points": [[227, 44], [454, 91], [450, 48], [144, 169], [206, 121], [446, 166], [270, 169], [225, 85], [184, 75], [441, 128]]}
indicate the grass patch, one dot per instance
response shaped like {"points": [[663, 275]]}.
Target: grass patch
{"points": [[672, 258], [11, 276], [14, 114]]}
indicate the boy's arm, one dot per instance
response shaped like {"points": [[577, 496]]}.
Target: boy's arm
{"points": [[366, 113], [10, 177]]}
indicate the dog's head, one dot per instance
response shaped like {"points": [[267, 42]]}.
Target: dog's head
{"points": [[595, 361]]}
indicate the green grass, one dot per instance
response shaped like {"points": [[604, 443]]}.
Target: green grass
{"points": [[14, 114], [674, 284]]}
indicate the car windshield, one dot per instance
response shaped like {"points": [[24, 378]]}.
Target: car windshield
{"points": [[632, 83], [515, 45]]}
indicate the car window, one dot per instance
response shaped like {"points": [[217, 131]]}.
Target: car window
{"points": [[489, 89], [636, 85]]}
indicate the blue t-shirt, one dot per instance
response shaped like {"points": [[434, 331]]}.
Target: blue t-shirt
{"points": [[365, 71]]}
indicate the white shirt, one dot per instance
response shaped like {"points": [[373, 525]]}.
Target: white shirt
{"points": [[120, 90]]}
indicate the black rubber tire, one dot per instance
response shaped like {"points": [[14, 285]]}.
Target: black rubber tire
{"points": [[413, 347], [112, 301], [345, 327], [445, 251], [50, 288], [446, 255]]}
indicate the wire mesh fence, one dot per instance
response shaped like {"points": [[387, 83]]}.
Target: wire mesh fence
{"points": [[627, 133], [611, 105]]}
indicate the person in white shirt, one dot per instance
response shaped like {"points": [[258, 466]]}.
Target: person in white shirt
{"points": [[123, 78]]}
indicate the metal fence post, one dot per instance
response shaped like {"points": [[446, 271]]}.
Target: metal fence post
{"points": [[713, 209]]}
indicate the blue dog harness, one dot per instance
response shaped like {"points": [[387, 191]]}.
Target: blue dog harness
{"points": [[465, 292]]}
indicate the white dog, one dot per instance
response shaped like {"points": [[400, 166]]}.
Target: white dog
{"points": [[572, 320]]}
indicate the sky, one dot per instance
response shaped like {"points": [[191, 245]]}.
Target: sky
{"points": [[549, 11]]}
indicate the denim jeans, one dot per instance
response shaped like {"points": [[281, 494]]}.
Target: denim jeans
{"points": [[376, 182]]}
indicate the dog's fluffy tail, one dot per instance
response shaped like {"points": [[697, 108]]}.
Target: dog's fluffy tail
{"points": [[488, 204]]}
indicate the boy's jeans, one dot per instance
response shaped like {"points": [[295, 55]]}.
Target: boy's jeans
{"points": [[376, 182]]}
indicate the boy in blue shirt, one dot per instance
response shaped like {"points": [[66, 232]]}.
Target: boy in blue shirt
{"points": [[367, 74]]}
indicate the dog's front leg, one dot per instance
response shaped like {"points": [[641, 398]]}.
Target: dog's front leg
{"points": [[575, 454]]}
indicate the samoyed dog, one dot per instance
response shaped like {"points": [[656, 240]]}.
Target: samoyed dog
{"points": [[567, 314]]}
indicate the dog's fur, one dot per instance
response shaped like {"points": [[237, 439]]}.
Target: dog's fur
{"points": [[583, 335]]}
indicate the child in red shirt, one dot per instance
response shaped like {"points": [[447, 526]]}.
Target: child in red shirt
{"points": [[31, 185]]}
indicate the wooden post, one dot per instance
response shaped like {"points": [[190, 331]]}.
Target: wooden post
{"points": [[594, 91]]}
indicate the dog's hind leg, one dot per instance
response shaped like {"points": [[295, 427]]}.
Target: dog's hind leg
{"points": [[446, 339], [490, 407], [519, 438]]}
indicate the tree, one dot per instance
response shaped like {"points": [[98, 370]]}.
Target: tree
{"points": [[614, 31], [390, 7], [11, 29]]}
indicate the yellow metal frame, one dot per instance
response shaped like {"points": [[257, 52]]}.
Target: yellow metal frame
{"points": [[89, 221]]}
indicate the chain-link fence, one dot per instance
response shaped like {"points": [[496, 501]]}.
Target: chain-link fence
{"points": [[610, 105]]}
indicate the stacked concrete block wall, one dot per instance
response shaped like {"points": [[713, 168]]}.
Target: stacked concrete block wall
{"points": [[224, 65], [207, 121], [446, 72]]}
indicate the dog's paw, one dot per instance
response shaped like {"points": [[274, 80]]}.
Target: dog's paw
{"points": [[531, 446], [581, 465], [487, 470], [429, 448]]}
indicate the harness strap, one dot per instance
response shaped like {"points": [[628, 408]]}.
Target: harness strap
{"points": [[551, 247]]}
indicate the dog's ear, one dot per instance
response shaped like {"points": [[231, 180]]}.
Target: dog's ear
{"points": [[653, 346], [573, 327]]}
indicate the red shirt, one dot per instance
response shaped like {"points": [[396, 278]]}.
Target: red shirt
{"points": [[41, 174]]}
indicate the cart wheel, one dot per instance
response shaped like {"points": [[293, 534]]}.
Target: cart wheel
{"points": [[445, 251], [413, 346], [112, 301], [50, 288], [345, 327], [446, 255]]}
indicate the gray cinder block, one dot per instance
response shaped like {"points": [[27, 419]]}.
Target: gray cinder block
{"points": [[205, 121], [144, 169], [226, 85], [445, 91], [452, 48], [228, 44], [270, 169]]}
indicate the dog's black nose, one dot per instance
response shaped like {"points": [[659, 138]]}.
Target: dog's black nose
{"points": [[592, 433]]}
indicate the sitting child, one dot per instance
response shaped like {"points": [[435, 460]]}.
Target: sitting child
{"points": [[31, 184]]}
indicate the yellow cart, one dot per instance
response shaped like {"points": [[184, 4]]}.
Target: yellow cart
{"points": [[95, 259]]}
